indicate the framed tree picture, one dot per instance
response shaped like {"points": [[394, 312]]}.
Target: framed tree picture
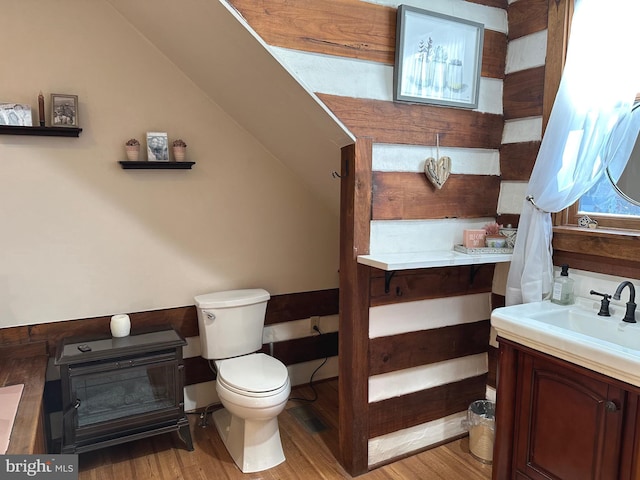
{"points": [[438, 58]]}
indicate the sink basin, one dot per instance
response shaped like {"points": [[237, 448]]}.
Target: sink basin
{"points": [[577, 334], [607, 329]]}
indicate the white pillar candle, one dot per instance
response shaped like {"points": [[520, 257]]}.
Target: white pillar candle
{"points": [[120, 325]]}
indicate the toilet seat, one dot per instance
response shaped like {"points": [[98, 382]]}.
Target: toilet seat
{"points": [[255, 375]]}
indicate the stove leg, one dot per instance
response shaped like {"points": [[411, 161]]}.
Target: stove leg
{"points": [[185, 435]]}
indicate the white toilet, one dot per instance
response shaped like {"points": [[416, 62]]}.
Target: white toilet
{"points": [[253, 387]]}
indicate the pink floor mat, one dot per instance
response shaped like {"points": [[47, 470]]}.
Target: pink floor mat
{"points": [[9, 399]]}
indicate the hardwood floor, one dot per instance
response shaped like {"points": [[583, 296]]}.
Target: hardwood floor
{"points": [[310, 453]]}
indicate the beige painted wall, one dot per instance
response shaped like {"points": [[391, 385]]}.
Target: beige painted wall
{"points": [[81, 237]]}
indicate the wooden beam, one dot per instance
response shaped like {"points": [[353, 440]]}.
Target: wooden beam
{"points": [[598, 263], [558, 26], [492, 376], [10, 335], [355, 215], [397, 352], [183, 319], [492, 3], [598, 243], [523, 93], [424, 406], [389, 122], [410, 196], [422, 284], [296, 306], [281, 308], [517, 160], [512, 219], [505, 414], [527, 17]]}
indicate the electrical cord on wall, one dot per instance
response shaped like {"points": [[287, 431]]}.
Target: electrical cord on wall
{"points": [[203, 414], [315, 394]]}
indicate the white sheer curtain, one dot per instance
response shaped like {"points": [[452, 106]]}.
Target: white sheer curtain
{"points": [[590, 125]]}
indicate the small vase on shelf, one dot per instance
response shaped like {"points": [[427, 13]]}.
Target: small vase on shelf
{"points": [[495, 241], [133, 149], [179, 150]]}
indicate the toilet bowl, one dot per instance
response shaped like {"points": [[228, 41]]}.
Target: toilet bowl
{"points": [[252, 387], [253, 396]]}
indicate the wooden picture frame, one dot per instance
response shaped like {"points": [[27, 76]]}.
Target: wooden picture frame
{"points": [[438, 58], [64, 110]]}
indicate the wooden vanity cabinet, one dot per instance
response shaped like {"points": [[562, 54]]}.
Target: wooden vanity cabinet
{"points": [[557, 420]]}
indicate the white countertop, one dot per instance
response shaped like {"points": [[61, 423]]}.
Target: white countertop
{"points": [[578, 341], [432, 259]]}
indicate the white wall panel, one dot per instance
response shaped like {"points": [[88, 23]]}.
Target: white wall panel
{"points": [[334, 75], [398, 318], [348, 77], [490, 394], [397, 236], [490, 96], [526, 52], [522, 130], [512, 194], [410, 380], [401, 442], [279, 332]]}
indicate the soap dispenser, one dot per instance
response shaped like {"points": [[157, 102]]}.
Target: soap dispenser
{"points": [[562, 293]]}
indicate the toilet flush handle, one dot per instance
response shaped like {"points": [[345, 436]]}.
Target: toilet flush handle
{"points": [[211, 316]]}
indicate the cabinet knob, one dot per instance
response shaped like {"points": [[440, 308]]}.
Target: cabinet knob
{"points": [[609, 406]]}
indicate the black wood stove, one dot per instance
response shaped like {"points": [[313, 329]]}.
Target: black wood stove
{"points": [[115, 390]]}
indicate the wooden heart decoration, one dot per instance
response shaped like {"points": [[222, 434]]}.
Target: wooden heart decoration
{"points": [[437, 171]]}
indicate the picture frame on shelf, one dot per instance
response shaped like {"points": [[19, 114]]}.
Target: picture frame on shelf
{"points": [[438, 58], [157, 147], [16, 114], [64, 110]]}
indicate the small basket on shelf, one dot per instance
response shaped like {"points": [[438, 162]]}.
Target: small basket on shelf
{"points": [[179, 150], [132, 148]]}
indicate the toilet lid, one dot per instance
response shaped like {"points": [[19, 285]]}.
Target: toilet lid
{"points": [[253, 373]]}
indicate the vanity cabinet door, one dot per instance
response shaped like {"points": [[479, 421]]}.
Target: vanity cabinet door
{"points": [[568, 426]]}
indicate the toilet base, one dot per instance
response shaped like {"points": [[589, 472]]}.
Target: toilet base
{"points": [[254, 445]]}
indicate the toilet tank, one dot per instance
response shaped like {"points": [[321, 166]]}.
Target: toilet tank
{"points": [[231, 322]]}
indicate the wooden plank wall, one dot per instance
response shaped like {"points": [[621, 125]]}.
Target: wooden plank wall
{"points": [[523, 95], [336, 28], [523, 92]]}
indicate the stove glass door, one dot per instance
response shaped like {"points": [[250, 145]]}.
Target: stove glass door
{"points": [[130, 387]]}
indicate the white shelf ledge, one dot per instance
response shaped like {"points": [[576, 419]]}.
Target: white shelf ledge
{"points": [[437, 258]]}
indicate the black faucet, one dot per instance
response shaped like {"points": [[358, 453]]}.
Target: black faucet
{"points": [[630, 315], [604, 303]]}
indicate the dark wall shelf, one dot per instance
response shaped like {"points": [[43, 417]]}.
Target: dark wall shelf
{"points": [[144, 165], [40, 131]]}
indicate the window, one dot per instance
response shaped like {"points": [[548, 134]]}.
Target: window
{"points": [[613, 248], [610, 206]]}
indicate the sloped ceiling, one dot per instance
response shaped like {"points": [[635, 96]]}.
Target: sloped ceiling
{"points": [[213, 46]]}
